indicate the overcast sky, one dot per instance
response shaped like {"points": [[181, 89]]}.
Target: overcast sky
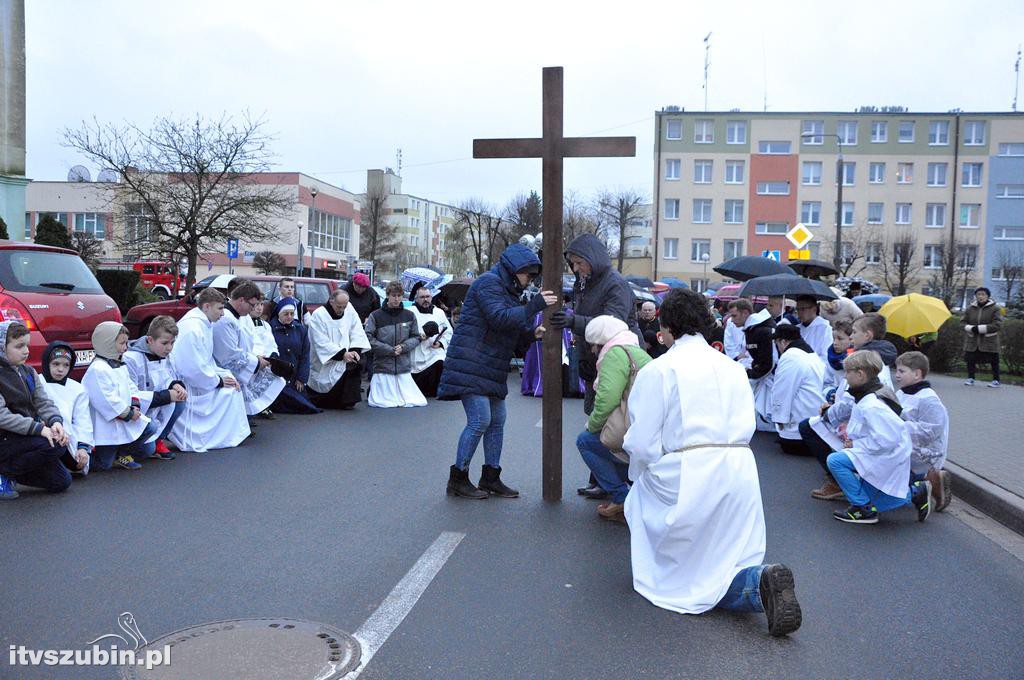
{"points": [[342, 85]]}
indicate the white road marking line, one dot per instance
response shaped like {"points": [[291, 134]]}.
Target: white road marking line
{"points": [[376, 630]]}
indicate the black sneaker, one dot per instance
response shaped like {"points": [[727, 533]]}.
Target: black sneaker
{"points": [[778, 596], [857, 514], [922, 499]]}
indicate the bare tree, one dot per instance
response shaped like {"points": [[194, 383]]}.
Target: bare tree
{"points": [[378, 236], [268, 262], [579, 217], [1010, 263], [619, 209], [89, 248], [195, 180], [456, 254], [485, 231], [856, 243], [899, 261]]}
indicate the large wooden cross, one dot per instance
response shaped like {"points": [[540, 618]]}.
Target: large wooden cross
{"points": [[553, 147]]}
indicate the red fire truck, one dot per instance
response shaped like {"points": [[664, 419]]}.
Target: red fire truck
{"points": [[163, 279]]}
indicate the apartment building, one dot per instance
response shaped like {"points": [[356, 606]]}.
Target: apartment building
{"points": [[327, 226], [733, 183]]}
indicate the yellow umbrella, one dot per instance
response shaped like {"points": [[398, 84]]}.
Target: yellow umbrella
{"points": [[914, 314]]}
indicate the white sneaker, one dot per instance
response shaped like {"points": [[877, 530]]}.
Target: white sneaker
{"points": [[969, 382], [994, 383]]}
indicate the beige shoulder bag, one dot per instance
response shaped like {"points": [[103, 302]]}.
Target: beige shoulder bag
{"points": [[614, 431]]}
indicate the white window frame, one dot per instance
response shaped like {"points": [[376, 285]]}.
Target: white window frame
{"points": [[704, 131], [1011, 149], [731, 206], [736, 247], [705, 205], [668, 129], [773, 188], [878, 208], [849, 173], [1010, 191], [1000, 233], [697, 248], [706, 171], [813, 133], [932, 256], [671, 249], [900, 168], [934, 168], [931, 211], [904, 219], [969, 211], [849, 209], [900, 129], [674, 203], [938, 133], [730, 171], [804, 174], [972, 178], [766, 148], [670, 165], [876, 126], [962, 251], [731, 128], [810, 213], [843, 130], [90, 223], [971, 127], [873, 253], [771, 228], [871, 173]]}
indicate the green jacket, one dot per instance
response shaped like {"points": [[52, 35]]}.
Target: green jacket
{"points": [[613, 379]]}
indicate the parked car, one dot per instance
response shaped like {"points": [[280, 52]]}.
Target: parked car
{"points": [[730, 291], [313, 292], [55, 295]]}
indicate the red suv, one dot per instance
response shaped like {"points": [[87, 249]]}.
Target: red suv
{"points": [[55, 294], [312, 292]]}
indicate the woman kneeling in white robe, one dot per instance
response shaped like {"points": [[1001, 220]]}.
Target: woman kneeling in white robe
{"points": [[393, 334], [694, 511]]}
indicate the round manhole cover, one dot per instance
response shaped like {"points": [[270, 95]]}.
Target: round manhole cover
{"points": [[252, 649]]}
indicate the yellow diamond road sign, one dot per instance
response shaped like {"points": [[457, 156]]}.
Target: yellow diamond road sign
{"points": [[799, 235]]}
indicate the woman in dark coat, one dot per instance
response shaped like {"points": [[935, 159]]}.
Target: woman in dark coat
{"points": [[492, 323], [292, 339]]}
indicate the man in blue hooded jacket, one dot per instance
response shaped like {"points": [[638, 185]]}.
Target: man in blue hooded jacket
{"points": [[493, 322]]}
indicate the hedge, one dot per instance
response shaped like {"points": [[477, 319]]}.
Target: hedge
{"points": [[1012, 339], [122, 286]]}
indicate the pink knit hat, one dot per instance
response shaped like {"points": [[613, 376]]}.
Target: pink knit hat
{"points": [[361, 279]]}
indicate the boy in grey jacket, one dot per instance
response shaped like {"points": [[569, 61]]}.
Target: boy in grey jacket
{"points": [[32, 436]]}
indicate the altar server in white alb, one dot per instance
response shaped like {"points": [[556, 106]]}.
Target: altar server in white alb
{"points": [[151, 371], [263, 342], [214, 416], [435, 334], [796, 390], [122, 434], [70, 398], [696, 522], [816, 332], [233, 349], [338, 342]]}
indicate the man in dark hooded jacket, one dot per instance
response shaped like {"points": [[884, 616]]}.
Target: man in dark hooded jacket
{"points": [[599, 290]]}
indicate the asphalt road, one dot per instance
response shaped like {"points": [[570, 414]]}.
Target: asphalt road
{"points": [[319, 517]]}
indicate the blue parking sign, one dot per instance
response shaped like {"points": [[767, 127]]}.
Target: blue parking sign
{"points": [[232, 248]]}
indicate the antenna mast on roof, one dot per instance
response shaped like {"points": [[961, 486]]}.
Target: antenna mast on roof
{"points": [[707, 63], [398, 161], [1016, 79]]}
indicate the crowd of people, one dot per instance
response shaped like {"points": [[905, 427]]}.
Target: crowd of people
{"points": [[671, 412]]}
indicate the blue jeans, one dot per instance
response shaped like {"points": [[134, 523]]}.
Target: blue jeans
{"points": [[858, 491], [611, 474], [103, 456], [485, 418], [744, 594], [179, 408]]}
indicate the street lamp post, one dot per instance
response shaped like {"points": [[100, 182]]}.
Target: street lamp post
{"points": [[837, 258], [298, 252], [312, 234], [704, 257]]}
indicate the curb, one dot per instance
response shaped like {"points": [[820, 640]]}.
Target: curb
{"points": [[995, 501]]}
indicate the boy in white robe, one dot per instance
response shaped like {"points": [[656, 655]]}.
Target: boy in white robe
{"points": [[927, 422], [214, 416], [796, 390], [338, 342], [233, 350], [873, 468], [697, 532], [815, 331], [151, 371], [69, 396]]}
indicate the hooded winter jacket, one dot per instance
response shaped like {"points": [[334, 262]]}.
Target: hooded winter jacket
{"points": [[365, 303], [492, 324], [603, 292], [25, 407], [981, 324]]}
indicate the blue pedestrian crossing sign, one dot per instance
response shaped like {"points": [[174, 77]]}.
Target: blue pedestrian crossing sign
{"points": [[772, 255], [232, 248]]}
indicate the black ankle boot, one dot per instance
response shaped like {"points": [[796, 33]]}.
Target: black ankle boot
{"points": [[490, 481], [459, 485]]}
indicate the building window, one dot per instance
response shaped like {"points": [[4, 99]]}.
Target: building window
{"points": [[972, 175], [904, 173], [935, 215], [138, 224], [906, 133], [28, 226], [903, 213], [967, 257], [90, 223], [700, 248], [813, 132], [810, 213], [671, 249], [671, 208], [811, 173], [672, 168], [702, 172], [734, 172], [974, 133], [876, 173], [875, 213], [873, 253], [970, 215], [1008, 233], [847, 252], [932, 256], [698, 285], [879, 132], [674, 129], [1010, 191], [704, 132], [771, 228], [332, 232], [938, 132], [736, 132], [848, 132], [702, 211], [847, 214], [773, 188], [1011, 149], [849, 173], [733, 211], [937, 174], [774, 147], [732, 248]]}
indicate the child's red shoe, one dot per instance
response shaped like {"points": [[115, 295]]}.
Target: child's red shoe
{"points": [[161, 451]]}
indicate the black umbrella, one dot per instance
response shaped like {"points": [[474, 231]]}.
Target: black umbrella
{"points": [[787, 285], [641, 281], [746, 267], [813, 269], [455, 291]]}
